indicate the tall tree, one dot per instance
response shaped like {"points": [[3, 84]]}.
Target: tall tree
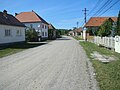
{"points": [[101, 31], [118, 25], [105, 29]]}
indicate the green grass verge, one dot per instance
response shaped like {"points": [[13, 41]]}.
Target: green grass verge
{"points": [[78, 38], [17, 47], [108, 75]]}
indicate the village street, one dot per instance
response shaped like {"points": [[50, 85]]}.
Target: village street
{"points": [[59, 65]]}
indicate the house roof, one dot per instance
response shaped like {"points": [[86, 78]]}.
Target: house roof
{"points": [[78, 30], [51, 26], [9, 19], [71, 32], [98, 21], [28, 17]]}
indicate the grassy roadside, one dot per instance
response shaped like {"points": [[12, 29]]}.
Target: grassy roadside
{"points": [[8, 50], [78, 38], [108, 75]]}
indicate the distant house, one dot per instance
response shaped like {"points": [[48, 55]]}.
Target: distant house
{"points": [[76, 32], [51, 32], [11, 29], [33, 20], [71, 33], [95, 22]]}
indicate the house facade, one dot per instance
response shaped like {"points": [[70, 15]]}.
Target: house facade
{"points": [[51, 32], [11, 29], [95, 22], [33, 20]]}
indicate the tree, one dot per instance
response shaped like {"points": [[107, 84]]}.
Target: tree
{"points": [[118, 25], [105, 29], [31, 34], [101, 31]]}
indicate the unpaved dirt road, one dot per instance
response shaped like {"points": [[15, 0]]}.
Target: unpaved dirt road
{"points": [[58, 65]]}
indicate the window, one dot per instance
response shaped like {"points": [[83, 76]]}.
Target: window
{"points": [[45, 33], [45, 26], [42, 33], [42, 25], [31, 26], [7, 32], [18, 33]]}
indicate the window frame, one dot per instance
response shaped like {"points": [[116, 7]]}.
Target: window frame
{"points": [[8, 32]]}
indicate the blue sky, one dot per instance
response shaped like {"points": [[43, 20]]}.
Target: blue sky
{"points": [[61, 13]]}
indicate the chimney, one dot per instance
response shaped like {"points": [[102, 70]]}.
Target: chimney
{"points": [[5, 13], [16, 14]]}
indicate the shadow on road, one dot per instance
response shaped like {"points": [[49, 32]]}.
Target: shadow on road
{"points": [[23, 45], [63, 38]]}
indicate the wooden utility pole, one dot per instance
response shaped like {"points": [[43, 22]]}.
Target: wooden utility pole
{"points": [[85, 12]]}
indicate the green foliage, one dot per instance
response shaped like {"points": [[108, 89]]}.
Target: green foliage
{"points": [[101, 31], [31, 34], [118, 25], [51, 34], [78, 38], [62, 31], [105, 29], [90, 31]]}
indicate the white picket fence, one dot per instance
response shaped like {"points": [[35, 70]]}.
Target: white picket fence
{"points": [[108, 42]]}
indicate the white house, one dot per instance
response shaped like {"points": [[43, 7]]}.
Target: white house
{"points": [[33, 20], [11, 29], [76, 32]]}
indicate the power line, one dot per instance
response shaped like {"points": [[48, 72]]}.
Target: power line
{"points": [[96, 6], [108, 4], [110, 7], [103, 7]]}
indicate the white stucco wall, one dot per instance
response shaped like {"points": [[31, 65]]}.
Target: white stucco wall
{"points": [[84, 34], [38, 27], [14, 37]]}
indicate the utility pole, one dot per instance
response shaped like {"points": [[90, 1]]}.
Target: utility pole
{"points": [[85, 12], [77, 24], [84, 31]]}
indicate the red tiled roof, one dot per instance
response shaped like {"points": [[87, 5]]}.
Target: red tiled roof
{"points": [[28, 17], [98, 21], [10, 20], [78, 30]]}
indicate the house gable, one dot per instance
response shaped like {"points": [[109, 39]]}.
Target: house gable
{"points": [[30, 17]]}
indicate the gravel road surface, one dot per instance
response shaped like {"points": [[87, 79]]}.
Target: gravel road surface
{"points": [[59, 65]]}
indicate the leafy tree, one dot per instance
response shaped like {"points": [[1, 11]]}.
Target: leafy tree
{"points": [[89, 30], [31, 35], [105, 29], [118, 25], [101, 31]]}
